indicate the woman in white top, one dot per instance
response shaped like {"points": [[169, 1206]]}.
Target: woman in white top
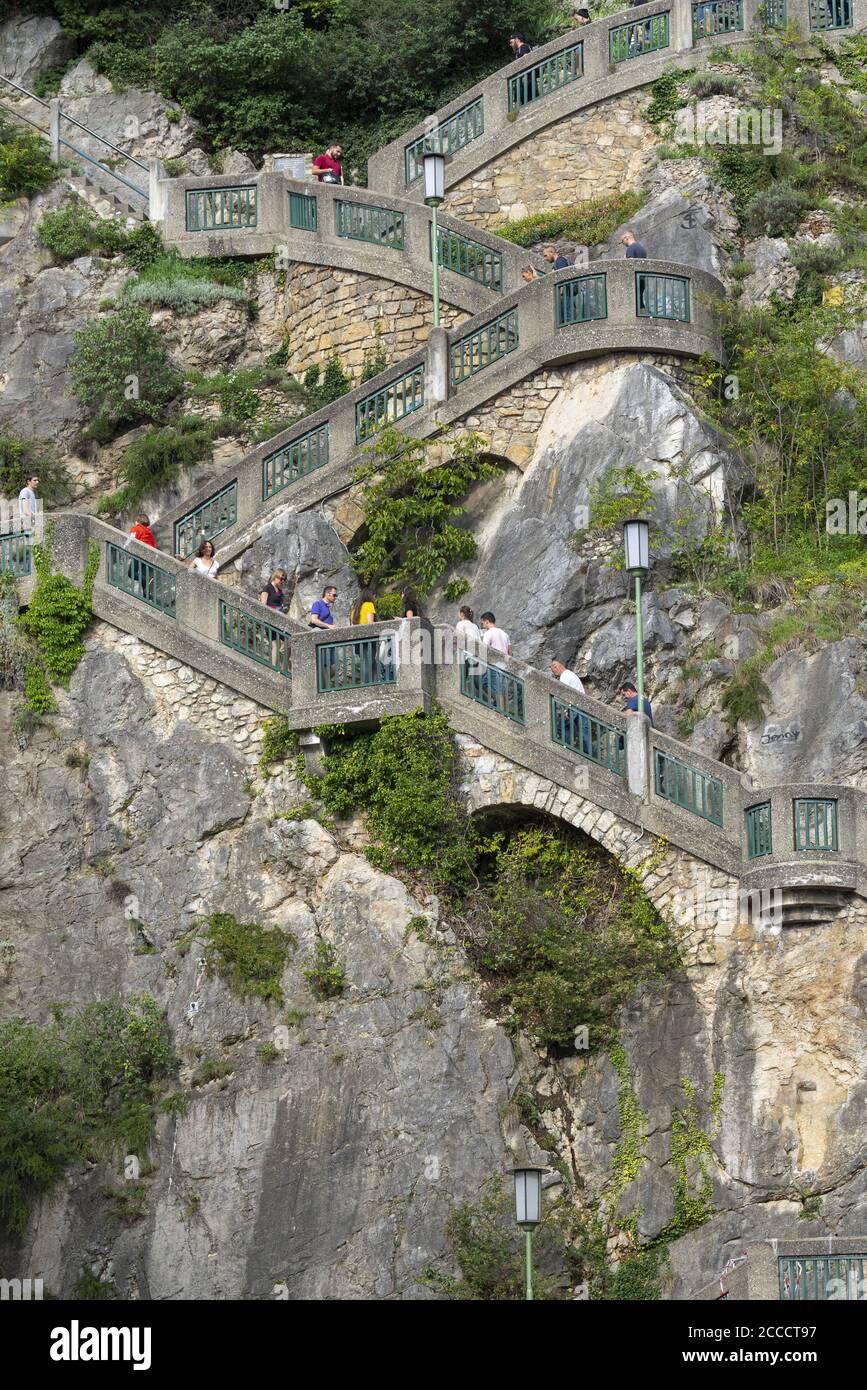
{"points": [[205, 561], [468, 635]]}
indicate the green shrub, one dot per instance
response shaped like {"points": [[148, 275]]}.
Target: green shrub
{"points": [[25, 163], [121, 370], [16, 653], [82, 1087], [588, 223], [21, 458], [174, 168], [75, 230], [562, 936], [403, 776], [746, 696], [375, 358], [251, 957], [321, 388], [412, 510], [325, 974], [90, 1289], [279, 742], [776, 210], [143, 246], [55, 619], [158, 457], [185, 296]]}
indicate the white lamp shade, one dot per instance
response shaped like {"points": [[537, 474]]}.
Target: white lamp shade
{"points": [[636, 545], [434, 177], [528, 1195]]}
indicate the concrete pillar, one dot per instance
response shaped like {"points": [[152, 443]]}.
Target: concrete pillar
{"points": [[637, 749], [313, 751], [436, 367], [54, 128], [157, 191]]}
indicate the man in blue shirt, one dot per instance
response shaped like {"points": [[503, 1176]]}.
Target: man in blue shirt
{"points": [[630, 695], [633, 247], [320, 613], [555, 259]]}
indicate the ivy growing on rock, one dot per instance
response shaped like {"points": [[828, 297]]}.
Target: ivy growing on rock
{"points": [[83, 1087], [55, 620], [413, 507]]}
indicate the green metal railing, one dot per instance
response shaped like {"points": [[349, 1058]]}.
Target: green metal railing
{"points": [[389, 404], [775, 15], [641, 36], [470, 258], [302, 212], [820, 1277], [815, 824], [830, 14], [210, 519], [358, 665], [592, 738], [760, 840], [492, 687], [485, 346], [451, 135], [661, 296], [255, 638], [364, 222], [210, 209], [579, 301], [545, 77], [295, 461], [140, 579], [716, 17], [16, 555], [685, 786]]}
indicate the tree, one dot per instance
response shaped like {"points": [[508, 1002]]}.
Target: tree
{"points": [[121, 369]]}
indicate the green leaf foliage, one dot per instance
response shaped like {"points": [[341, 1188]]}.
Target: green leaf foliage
{"points": [[412, 508], [81, 1087], [121, 370]]}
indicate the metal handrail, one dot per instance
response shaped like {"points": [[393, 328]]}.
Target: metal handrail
{"points": [[102, 140], [23, 90], [143, 192]]}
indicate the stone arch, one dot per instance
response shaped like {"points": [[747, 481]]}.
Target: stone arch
{"points": [[700, 900]]}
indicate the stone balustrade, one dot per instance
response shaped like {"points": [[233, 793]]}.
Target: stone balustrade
{"points": [[617, 53], [613, 306], [806, 835], [269, 214]]}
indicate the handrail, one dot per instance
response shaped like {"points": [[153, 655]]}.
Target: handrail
{"points": [[513, 709], [530, 340], [64, 116], [82, 154], [23, 90]]}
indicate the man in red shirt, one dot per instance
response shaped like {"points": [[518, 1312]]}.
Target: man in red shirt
{"points": [[142, 531], [138, 570], [327, 167]]}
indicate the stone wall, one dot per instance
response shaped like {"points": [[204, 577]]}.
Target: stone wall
{"points": [[604, 149], [179, 694], [327, 309]]}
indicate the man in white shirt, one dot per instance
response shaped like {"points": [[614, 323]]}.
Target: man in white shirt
{"points": [[579, 723], [27, 504], [495, 637], [561, 672]]}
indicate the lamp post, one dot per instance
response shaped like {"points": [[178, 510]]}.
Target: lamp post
{"points": [[528, 1211], [637, 551], [434, 192]]}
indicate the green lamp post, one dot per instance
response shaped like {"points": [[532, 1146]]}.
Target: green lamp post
{"points": [[434, 192], [528, 1211], [637, 552]]}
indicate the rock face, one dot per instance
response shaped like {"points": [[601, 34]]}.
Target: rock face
{"points": [[29, 44], [330, 1170], [632, 412], [307, 548], [680, 223]]}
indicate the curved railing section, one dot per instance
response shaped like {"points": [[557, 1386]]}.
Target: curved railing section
{"points": [[616, 306], [346, 228], [611, 56], [810, 835]]}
